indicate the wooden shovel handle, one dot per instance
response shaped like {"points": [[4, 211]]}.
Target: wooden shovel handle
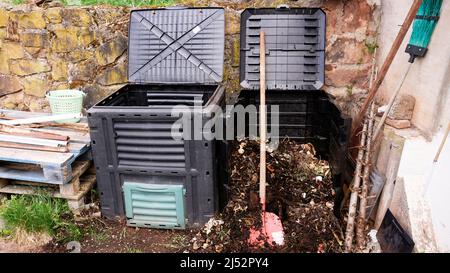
{"points": [[262, 118]]}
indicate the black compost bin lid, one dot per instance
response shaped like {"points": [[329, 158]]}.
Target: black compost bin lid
{"points": [[176, 45], [295, 48]]}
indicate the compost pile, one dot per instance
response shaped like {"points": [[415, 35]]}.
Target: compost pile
{"points": [[299, 190]]}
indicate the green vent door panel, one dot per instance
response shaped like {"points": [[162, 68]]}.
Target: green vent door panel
{"points": [[155, 206]]}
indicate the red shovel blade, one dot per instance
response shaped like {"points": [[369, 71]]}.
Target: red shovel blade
{"points": [[272, 231]]}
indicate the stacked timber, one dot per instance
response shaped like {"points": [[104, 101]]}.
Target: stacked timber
{"points": [[36, 151]]}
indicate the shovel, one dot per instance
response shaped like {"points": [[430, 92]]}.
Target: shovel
{"points": [[271, 230]]}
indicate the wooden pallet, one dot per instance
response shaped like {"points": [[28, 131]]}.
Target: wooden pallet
{"points": [[43, 166], [74, 192]]}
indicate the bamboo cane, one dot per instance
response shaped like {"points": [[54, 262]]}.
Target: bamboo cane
{"points": [[361, 220], [354, 192]]}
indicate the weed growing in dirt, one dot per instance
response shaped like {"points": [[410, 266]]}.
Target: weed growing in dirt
{"points": [[133, 250], [5, 233], [180, 241], [98, 236], [18, 2], [349, 90], [371, 46], [40, 213]]}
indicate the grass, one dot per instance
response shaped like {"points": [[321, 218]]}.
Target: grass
{"points": [[97, 236], [40, 214]]}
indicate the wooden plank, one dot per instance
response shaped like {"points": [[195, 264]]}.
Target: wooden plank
{"points": [[77, 148], [44, 157], [35, 157], [62, 149], [43, 174], [3, 182], [80, 167], [19, 166], [33, 184], [79, 152], [21, 174], [32, 140], [71, 188], [26, 114], [74, 136], [40, 119], [86, 184], [20, 131], [81, 127], [24, 175], [22, 114]]}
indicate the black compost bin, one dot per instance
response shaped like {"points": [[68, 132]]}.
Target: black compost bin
{"points": [[175, 59], [295, 61]]}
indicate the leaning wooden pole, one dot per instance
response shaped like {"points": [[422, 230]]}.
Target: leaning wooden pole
{"points": [[387, 63], [354, 192], [361, 220], [262, 122]]}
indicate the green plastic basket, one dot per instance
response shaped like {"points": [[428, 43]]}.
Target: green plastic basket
{"points": [[69, 101]]}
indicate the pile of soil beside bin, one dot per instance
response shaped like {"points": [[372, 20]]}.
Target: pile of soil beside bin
{"points": [[299, 191]]}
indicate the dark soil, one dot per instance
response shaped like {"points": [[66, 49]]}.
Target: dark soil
{"points": [[299, 191], [113, 236]]}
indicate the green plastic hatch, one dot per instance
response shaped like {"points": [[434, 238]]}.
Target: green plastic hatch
{"points": [[154, 205]]}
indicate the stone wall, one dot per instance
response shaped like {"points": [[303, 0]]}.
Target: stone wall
{"points": [[59, 48], [85, 47]]}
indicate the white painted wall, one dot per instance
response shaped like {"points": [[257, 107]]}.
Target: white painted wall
{"points": [[429, 78], [437, 189], [427, 217]]}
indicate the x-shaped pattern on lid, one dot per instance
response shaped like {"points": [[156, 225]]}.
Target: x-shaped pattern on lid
{"points": [[176, 45]]}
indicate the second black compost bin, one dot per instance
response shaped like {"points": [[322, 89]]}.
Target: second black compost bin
{"points": [[175, 57], [295, 62]]}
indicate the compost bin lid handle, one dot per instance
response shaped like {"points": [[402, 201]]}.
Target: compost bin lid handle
{"points": [[283, 6]]}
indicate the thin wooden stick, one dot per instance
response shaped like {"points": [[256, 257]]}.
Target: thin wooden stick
{"points": [[32, 140], [19, 131], [82, 127], [60, 149], [387, 63], [354, 193], [438, 153], [41, 119], [361, 220], [73, 126], [391, 103], [262, 121]]}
